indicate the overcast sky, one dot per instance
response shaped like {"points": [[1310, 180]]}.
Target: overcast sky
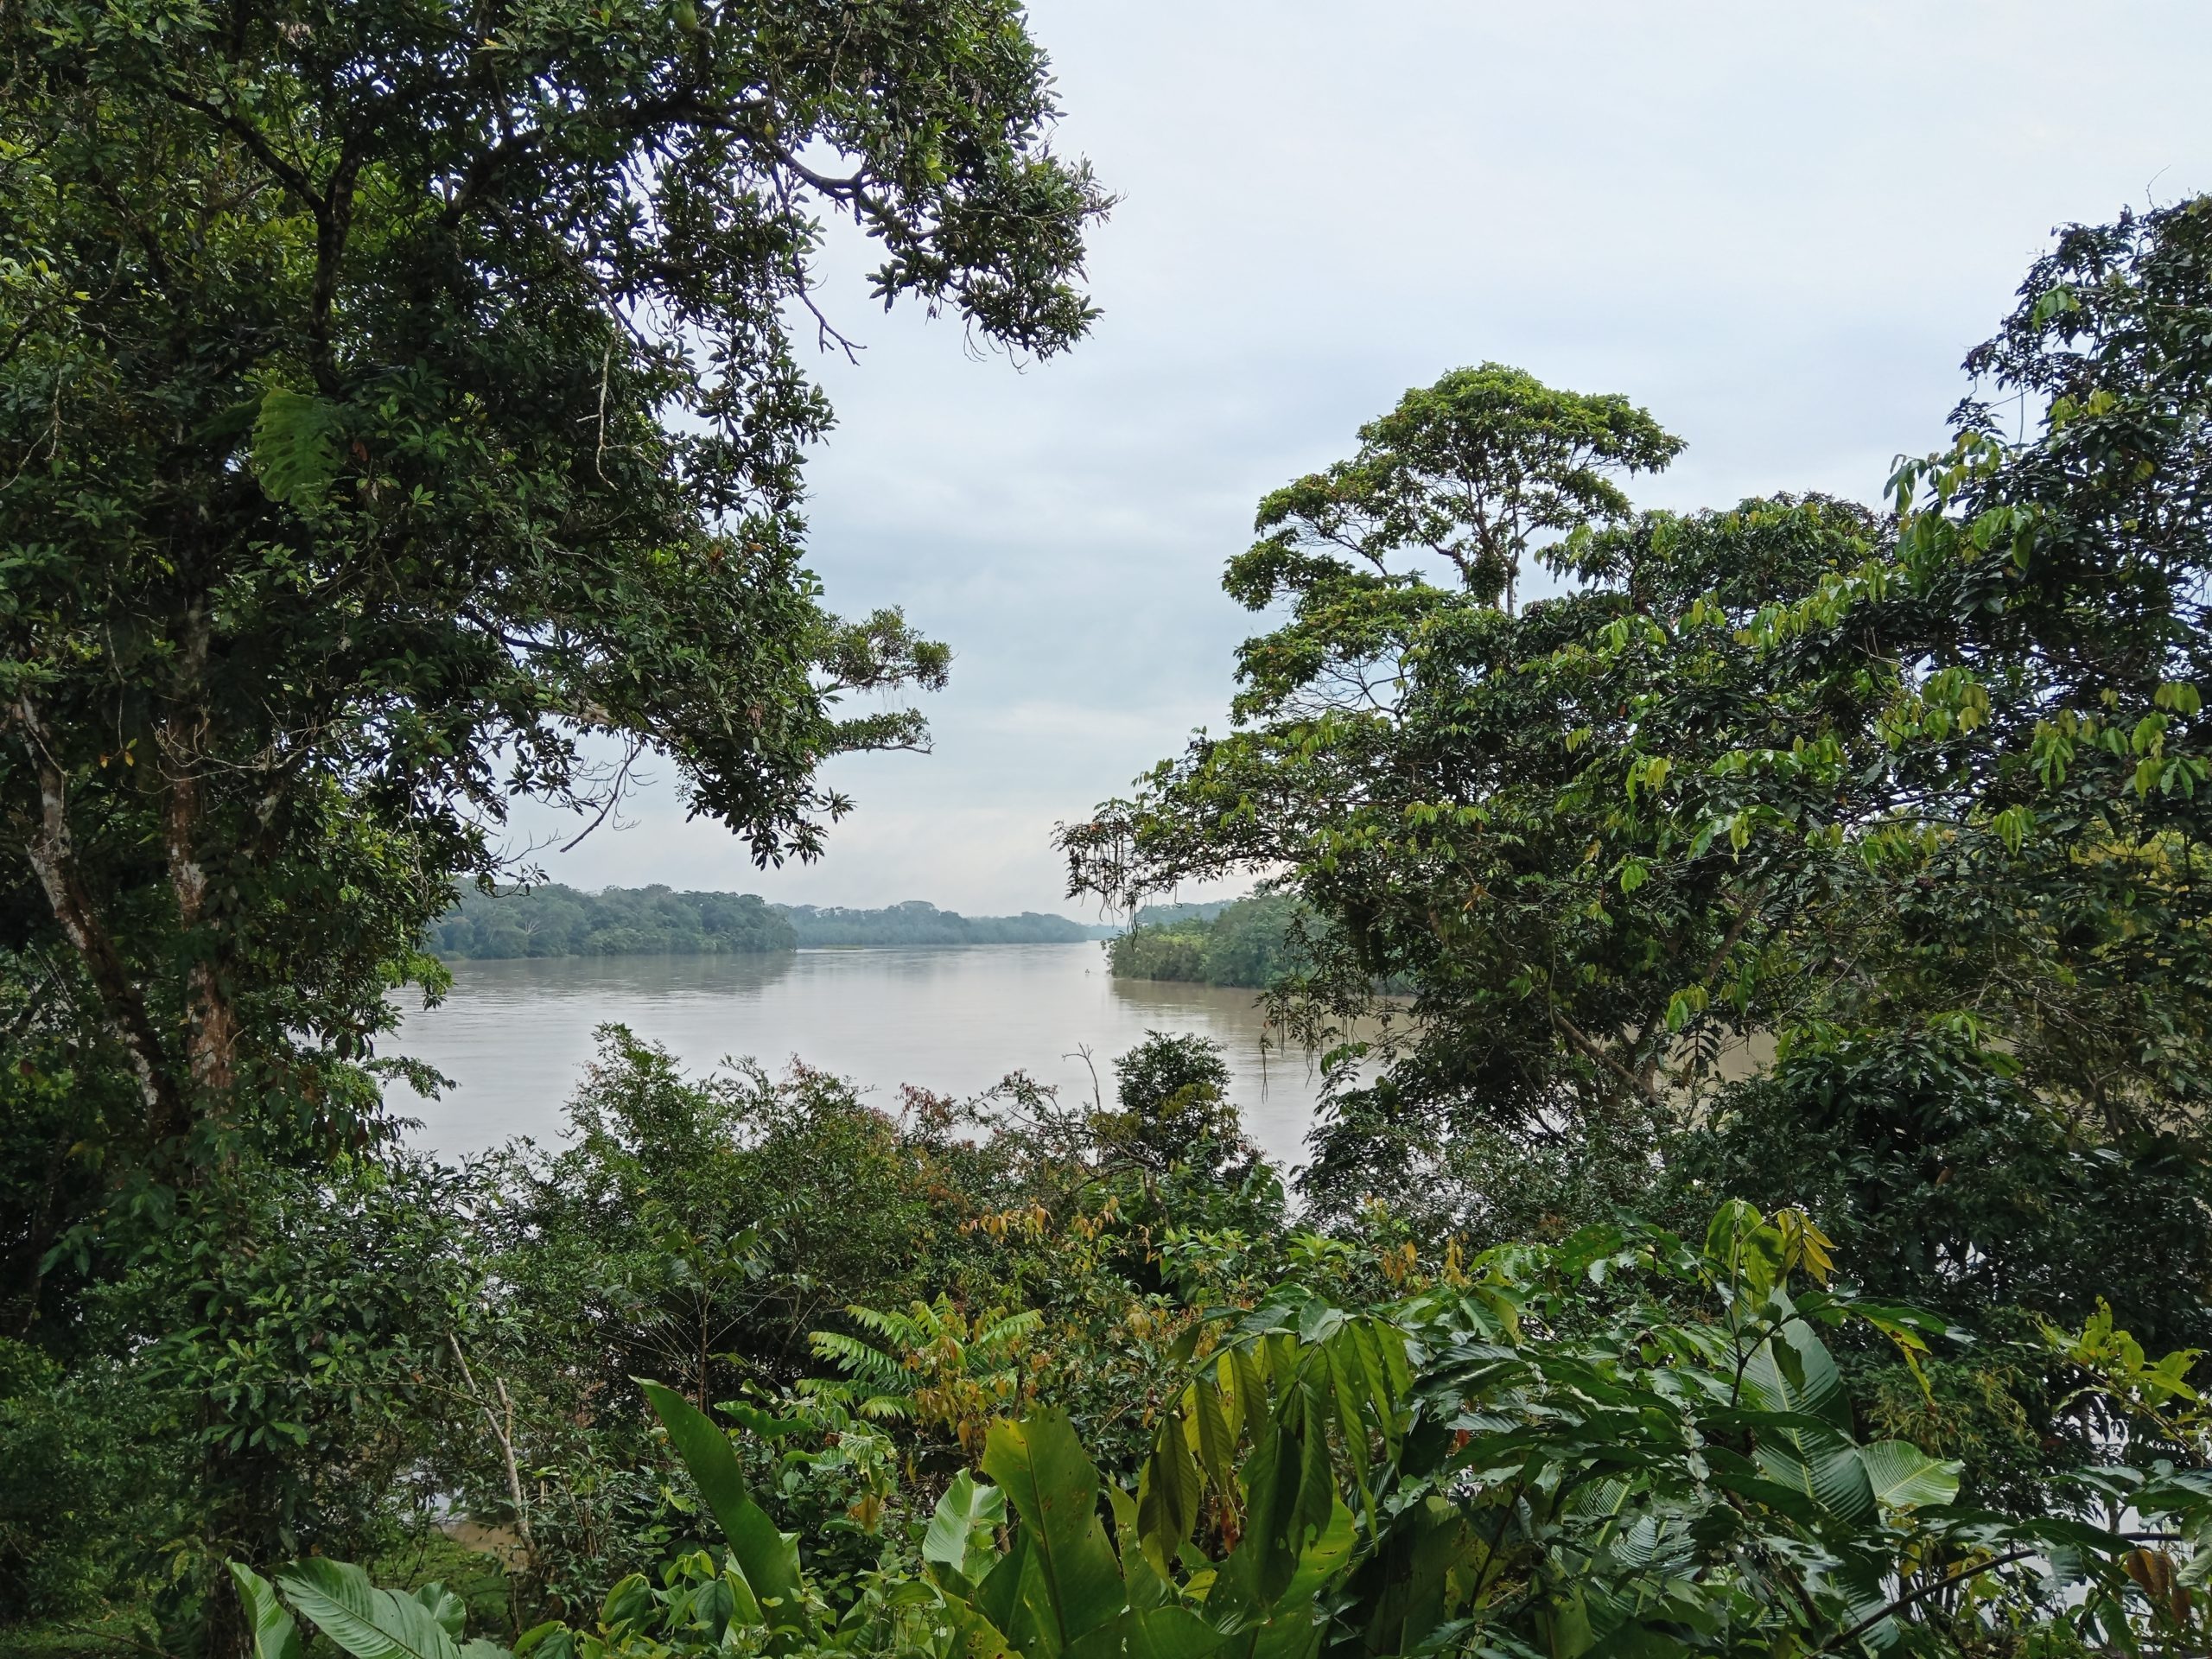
{"points": [[1778, 227]]}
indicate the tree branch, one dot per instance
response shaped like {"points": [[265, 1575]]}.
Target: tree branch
{"points": [[1590, 1051]]}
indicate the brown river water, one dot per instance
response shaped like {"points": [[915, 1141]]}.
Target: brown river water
{"points": [[514, 1036]]}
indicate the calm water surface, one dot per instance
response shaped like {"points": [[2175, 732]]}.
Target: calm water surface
{"points": [[514, 1036]]}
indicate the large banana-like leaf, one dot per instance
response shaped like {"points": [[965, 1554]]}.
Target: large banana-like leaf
{"points": [[445, 1606], [975, 1636], [768, 1559], [1905, 1477], [276, 1633], [1168, 1632], [363, 1620], [1169, 1487], [1822, 1465], [959, 1535], [1792, 1371], [1074, 1584]]}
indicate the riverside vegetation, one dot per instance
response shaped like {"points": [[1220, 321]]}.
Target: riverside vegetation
{"points": [[1776, 1226], [1256, 942]]}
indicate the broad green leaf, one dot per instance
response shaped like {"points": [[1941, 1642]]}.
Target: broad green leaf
{"points": [[363, 1620], [1732, 1222], [745, 1607], [551, 1640], [1903, 1476], [976, 1637], [1824, 1466], [1792, 1371], [1052, 1485], [445, 1606], [961, 1525], [276, 1634], [1291, 1498], [767, 1558], [1169, 1632], [1423, 1546], [1247, 1364], [1213, 1432], [1000, 1600], [1168, 1487], [627, 1601]]}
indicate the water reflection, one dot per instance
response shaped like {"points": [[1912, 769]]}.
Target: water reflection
{"points": [[515, 1035]]}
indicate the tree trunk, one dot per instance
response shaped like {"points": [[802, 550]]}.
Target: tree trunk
{"points": [[52, 858], [212, 1043]]}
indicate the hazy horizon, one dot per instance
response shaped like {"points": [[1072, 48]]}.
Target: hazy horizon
{"points": [[1779, 230]]}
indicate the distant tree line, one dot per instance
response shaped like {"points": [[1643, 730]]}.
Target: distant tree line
{"points": [[916, 922], [560, 921]]}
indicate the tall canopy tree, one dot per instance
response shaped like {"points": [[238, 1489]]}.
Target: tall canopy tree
{"points": [[397, 398], [1863, 842]]}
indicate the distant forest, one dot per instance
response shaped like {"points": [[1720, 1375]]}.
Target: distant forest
{"points": [[916, 923], [560, 921]]}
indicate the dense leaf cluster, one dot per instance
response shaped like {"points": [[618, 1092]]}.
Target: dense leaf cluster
{"points": [[1475, 1468]]}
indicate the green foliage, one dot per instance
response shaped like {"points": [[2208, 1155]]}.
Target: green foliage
{"points": [[695, 1232], [937, 1368], [302, 1333], [1625, 1444], [1171, 1108], [916, 921], [1946, 1181], [67, 1484], [1795, 851], [762, 1558], [1475, 470]]}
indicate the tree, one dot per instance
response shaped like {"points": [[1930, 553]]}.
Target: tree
{"points": [[1919, 793], [393, 399], [1474, 469]]}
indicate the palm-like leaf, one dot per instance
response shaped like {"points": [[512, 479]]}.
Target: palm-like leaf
{"points": [[366, 1621]]}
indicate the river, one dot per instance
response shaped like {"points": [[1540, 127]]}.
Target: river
{"points": [[514, 1036]]}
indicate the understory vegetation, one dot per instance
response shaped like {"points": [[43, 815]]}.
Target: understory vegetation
{"points": [[1760, 1202]]}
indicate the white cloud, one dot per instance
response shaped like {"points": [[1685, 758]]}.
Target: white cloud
{"points": [[1778, 227]]}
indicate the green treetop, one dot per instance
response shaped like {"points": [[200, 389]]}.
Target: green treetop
{"points": [[392, 398]]}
